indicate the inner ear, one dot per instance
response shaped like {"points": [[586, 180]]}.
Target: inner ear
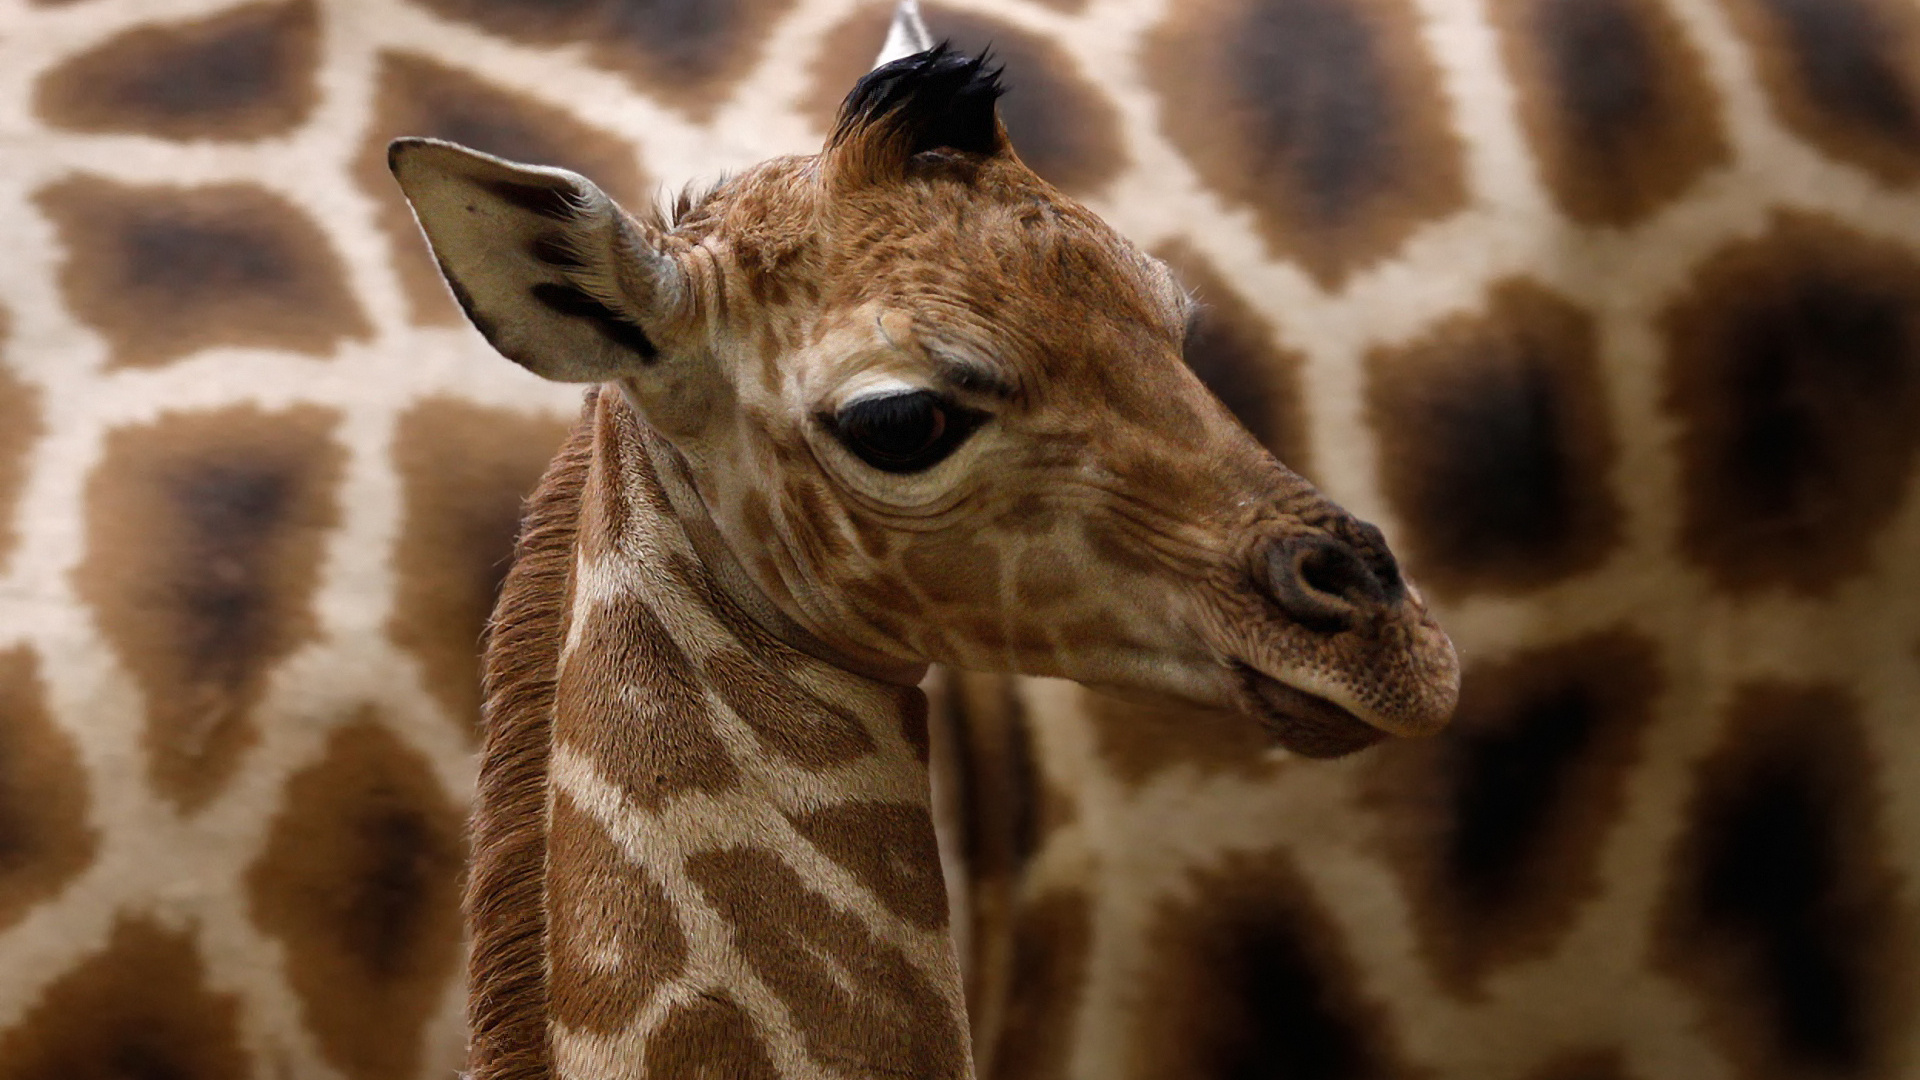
{"points": [[550, 270]]}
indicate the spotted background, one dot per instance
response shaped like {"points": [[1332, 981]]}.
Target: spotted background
{"points": [[1607, 310]]}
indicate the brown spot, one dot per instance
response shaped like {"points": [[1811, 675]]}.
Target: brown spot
{"points": [[889, 847], [1231, 348], [1781, 913], [1141, 739], [612, 936], [45, 837], [360, 884], [1052, 937], [812, 521], [1842, 74], [1324, 118], [1615, 101], [1044, 576], [20, 428], [688, 53], [465, 471], [710, 1038], [1494, 445], [1251, 978], [856, 1001], [884, 603], [1607, 1064], [139, 1009], [1794, 368], [631, 701], [1122, 548], [206, 535], [954, 567], [245, 73], [1061, 125], [1496, 825], [416, 96], [163, 272]]}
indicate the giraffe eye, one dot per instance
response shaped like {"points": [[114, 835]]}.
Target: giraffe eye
{"points": [[904, 433]]}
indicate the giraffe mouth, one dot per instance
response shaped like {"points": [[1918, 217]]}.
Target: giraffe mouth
{"points": [[1306, 724]]}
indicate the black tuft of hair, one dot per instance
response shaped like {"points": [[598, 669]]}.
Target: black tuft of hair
{"points": [[940, 99]]}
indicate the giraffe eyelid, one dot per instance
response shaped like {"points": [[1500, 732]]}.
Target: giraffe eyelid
{"points": [[971, 376]]}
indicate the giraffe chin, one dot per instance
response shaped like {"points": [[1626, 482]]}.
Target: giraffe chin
{"points": [[1306, 724]]}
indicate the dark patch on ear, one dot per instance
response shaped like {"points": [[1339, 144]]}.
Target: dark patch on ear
{"points": [[139, 1009], [935, 100], [484, 323], [1495, 445], [1793, 367], [1842, 74], [553, 203], [417, 96], [1615, 99], [163, 271], [246, 73], [464, 472], [1248, 976], [205, 536], [1231, 348], [687, 53], [1325, 118], [359, 882], [45, 837], [1496, 825], [573, 303], [554, 250], [1782, 914]]}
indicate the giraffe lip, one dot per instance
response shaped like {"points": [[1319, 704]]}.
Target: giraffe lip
{"points": [[1306, 724]]}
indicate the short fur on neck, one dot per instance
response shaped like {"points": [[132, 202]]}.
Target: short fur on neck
{"points": [[695, 847]]}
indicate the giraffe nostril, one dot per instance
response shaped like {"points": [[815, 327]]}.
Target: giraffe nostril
{"points": [[1322, 583], [1333, 568]]}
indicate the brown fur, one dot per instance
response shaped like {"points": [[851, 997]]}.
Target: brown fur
{"points": [[506, 909]]}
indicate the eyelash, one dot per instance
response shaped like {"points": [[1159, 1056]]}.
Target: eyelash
{"points": [[904, 433]]}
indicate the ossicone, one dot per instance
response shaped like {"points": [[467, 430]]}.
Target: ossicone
{"points": [[938, 100]]}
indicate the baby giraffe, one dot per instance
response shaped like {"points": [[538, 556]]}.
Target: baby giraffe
{"points": [[899, 402]]}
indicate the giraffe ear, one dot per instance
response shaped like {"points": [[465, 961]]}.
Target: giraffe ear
{"points": [[557, 277], [938, 99]]}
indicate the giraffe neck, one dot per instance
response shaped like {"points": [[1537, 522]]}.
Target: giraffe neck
{"points": [[695, 844], [683, 502]]}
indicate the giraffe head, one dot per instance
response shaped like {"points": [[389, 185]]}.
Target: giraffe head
{"points": [[937, 411]]}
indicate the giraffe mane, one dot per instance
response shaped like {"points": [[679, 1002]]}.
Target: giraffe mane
{"points": [[505, 896]]}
